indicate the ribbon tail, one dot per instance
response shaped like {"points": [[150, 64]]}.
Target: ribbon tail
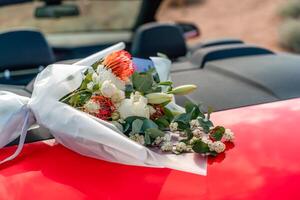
{"points": [[22, 139]]}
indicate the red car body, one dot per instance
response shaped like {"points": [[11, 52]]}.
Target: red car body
{"points": [[264, 163]]}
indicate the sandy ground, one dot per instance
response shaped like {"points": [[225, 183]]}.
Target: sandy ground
{"points": [[254, 21]]}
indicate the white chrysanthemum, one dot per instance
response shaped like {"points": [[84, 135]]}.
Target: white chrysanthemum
{"points": [[173, 126], [166, 146], [198, 132], [90, 85], [91, 107], [228, 135], [217, 146], [137, 138], [108, 89], [135, 106], [181, 147], [106, 74], [194, 123]]}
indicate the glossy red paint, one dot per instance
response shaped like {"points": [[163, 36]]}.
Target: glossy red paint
{"points": [[264, 163]]}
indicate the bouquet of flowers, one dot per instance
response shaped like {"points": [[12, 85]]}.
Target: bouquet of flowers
{"points": [[137, 104], [102, 107]]}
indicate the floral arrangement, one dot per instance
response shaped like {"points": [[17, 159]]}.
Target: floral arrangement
{"points": [[137, 103]]}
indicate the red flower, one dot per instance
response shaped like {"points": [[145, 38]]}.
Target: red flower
{"points": [[120, 63], [106, 107], [159, 112]]}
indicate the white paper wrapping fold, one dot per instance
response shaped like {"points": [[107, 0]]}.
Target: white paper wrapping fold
{"points": [[77, 130]]}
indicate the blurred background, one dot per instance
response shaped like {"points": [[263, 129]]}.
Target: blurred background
{"points": [[273, 24]]}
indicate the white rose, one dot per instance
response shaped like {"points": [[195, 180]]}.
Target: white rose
{"points": [[135, 106], [108, 89], [118, 96]]}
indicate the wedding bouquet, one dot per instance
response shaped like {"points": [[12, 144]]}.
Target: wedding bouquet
{"points": [[103, 107]]}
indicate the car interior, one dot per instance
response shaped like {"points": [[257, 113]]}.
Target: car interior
{"points": [[228, 72]]}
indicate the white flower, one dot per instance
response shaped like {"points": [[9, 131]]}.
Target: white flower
{"points": [[91, 107], [166, 146], [90, 85], [206, 140], [198, 132], [228, 135], [118, 96], [95, 78], [137, 138], [115, 116], [135, 106], [106, 74], [173, 126], [152, 110], [167, 138], [193, 140], [194, 123], [181, 147], [108, 89], [158, 140], [217, 146]]}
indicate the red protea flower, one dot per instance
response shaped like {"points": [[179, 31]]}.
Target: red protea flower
{"points": [[120, 63], [159, 112], [105, 107]]}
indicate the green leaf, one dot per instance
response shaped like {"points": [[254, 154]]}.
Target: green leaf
{"points": [[200, 147], [217, 133], [205, 124], [148, 123], [166, 83], [88, 78], [128, 90], [190, 107], [137, 126], [147, 138], [188, 133], [209, 111], [154, 133], [142, 82], [168, 114], [162, 122]]}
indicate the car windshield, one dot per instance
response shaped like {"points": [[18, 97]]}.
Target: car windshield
{"points": [[82, 16]]}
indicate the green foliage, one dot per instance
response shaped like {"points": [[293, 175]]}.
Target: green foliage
{"points": [[217, 133], [200, 147], [142, 82], [289, 35], [290, 9]]}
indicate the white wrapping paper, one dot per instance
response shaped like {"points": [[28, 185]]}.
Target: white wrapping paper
{"points": [[79, 131]]}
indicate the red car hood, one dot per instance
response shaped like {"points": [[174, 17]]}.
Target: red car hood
{"points": [[263, 164]]}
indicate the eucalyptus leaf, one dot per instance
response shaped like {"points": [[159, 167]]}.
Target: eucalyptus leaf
{"points": [[137, 126], [148, 123], [142, 82]]}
